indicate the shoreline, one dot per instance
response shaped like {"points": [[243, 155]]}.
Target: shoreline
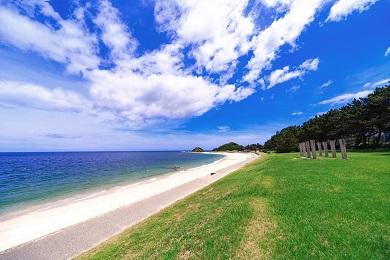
{"points": [[56, 201], [36, 224]]}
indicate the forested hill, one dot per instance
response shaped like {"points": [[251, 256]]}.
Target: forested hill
{"points": [[229, 147], [362, 122]]}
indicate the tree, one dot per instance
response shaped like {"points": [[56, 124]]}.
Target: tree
{"points": [[378, 110], [229, 147], [253, 147], [285, 141], [358, 121]]}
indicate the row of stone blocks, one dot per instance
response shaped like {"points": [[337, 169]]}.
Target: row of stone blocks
{"points": [[309, 148]]}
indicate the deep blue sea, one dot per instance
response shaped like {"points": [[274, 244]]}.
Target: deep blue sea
{"points": [[32, 178]]}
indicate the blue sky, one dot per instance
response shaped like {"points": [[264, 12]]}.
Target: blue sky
{"points": [[171, 75]]}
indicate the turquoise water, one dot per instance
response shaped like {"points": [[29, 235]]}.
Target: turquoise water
{"points": [[33, 178]]}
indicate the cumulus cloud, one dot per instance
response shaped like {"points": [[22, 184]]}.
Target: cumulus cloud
{"points": [[35, 96], [285, 74], [143, 99], [345, 98], [155, 87], [140, 90], [218, 31], [69, 44], [282, 31], [115, 35], [342, 8], [161, 84], [222, 31], [276, 3]]}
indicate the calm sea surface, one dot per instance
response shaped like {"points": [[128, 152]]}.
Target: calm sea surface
{"points": [[31, 178]]}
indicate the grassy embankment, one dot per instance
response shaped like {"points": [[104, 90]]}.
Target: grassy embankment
{"points": [[277, 207]]}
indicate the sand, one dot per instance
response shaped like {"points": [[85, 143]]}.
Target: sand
{"points": [[56, 220]]}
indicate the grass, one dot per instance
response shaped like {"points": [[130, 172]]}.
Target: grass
{"points": [[277, 207]]}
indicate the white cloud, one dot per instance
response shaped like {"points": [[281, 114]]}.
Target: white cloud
{"points": [[223, 129], [326, 84], [387, 52], [218, 30], [345, 98], [285, 74], [115, 34], [154, 88], [221, 31], [276, 3], [310, 64], [379, 83], [293, 89], [69, 44], [282, 31], [143, 99], [342, 8], [137, 90], [297, 113], [157, 87], [282, 75], [141, 89], [35, 96]]}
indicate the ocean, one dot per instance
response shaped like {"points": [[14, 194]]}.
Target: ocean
{"points": [[32, 178]]}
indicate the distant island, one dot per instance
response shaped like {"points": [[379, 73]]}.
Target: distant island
{"points": [[197, 150]]}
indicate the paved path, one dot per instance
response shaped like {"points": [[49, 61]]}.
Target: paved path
{"points": [[73, 240]]}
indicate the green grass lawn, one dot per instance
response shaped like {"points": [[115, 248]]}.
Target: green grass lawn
{"points": [[278, 207]]}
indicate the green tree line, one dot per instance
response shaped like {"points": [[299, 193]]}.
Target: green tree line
{"points": [[362, 123], [237, 147]]}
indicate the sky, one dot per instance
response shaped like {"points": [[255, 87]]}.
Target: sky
{"points": [[175, 74]]}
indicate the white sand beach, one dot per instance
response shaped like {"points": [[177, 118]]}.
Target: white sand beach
{"points": [[27, 226]]}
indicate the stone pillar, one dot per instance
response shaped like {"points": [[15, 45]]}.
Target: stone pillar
{"points": [[300, 150], [303, 149], [333, 147], [325, 145], [319, 148], [313, 149], [308, 152], [343, 149]]}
